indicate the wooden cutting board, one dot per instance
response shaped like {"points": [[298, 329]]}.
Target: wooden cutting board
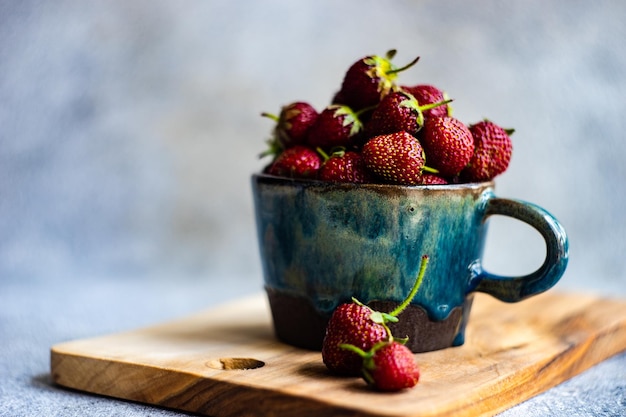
{"points": [[226, 362]]}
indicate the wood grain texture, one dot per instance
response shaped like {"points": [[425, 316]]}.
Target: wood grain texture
{"points": [[512, 352]]}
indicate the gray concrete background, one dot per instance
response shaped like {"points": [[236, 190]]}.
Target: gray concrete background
{"points": [[129, 131]]}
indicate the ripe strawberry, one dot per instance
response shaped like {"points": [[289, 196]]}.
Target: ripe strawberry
{"points": [[492, 152], [344, 166], [429, 94], [391, 367], [432, 179], [296, 162], [336, 125], [399, 111], [396, 158], [448, 144], [293, 123], [368, 80], [359, 326], [351, 323]]}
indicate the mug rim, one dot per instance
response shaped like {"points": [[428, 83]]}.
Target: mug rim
{"points": [[313, 182]]}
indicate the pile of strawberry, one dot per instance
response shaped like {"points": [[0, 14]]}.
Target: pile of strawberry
{"points": [[358, 341], [378, 130]]}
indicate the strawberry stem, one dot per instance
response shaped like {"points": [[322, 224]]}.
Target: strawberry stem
{"points": [[433, 105], [271, 116], [358, 113], [446, 97], [368, 357], [416, 286], [354, 349], [390, 54], [429, 169], [384, 318], [324, 155], [407, 66]]}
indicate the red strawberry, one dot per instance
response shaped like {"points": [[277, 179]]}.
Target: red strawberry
{"points": [[428, 94], [344, 166], [337, 125], [293, 123], [492, 152], [352, 324], [359, 326], [391, 367], [432, 179], [399, 111], [296, 162], [448, 144], [368, 80], [396, 158]]}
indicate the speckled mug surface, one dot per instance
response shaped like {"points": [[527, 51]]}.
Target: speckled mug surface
{"points": [[323, 243]]}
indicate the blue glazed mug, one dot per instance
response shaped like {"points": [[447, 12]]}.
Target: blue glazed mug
{"points": [[323, 243]]}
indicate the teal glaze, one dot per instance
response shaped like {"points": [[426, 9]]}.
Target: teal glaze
{"points": [[329, 242]]}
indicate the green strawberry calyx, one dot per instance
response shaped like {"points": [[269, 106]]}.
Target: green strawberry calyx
{"points": [[350, 118], [411, 103], [337, 151], [288, 113], [381, 69], [274, 148], [368, 357]]}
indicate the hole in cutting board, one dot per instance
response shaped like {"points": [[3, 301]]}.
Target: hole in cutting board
{"points": [[231, 364]]}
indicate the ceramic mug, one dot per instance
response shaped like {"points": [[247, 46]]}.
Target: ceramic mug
{"points": [[322, 243]]}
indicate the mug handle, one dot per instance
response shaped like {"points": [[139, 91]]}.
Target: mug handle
{"points": [[513, 289]]}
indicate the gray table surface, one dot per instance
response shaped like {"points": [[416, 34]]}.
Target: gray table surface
{"points": [[35, 315]]}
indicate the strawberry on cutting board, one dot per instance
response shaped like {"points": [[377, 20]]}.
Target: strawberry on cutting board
{"points": [[388, 366], [361, 328], [351, 323]]}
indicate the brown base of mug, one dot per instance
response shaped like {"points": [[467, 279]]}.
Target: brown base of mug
{"points": [[297, 323]]}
